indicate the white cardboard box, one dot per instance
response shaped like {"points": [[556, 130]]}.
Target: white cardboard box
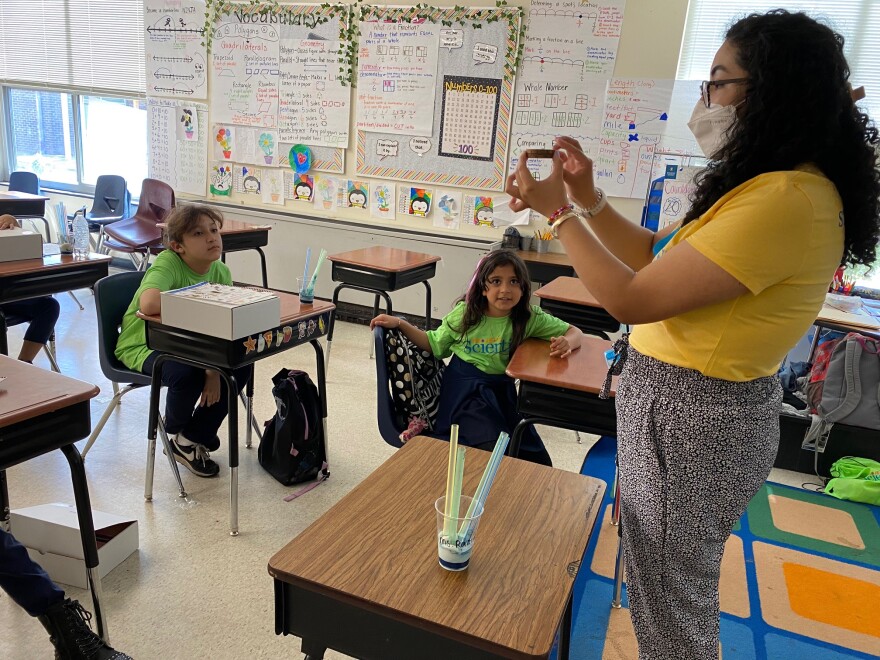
{"points": [[17, 244], [50, 532], [227, 312]]}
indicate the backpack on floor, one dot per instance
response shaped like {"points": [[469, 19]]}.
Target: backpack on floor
{"points": [[292, 449], [855, 479]]}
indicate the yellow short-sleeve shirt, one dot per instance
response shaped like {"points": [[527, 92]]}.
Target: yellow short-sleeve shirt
{"points": [[781, 235]]}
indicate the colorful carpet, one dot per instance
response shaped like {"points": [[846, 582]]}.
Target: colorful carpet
{"points": [[800, 579]]}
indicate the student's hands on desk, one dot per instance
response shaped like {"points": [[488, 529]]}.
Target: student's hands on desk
{"points": [[8, 221]]}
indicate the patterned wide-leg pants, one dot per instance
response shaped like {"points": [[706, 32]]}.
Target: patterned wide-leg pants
{"points": [[692, 452]]}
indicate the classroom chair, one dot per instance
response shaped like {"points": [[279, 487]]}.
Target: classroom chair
{"points": [[111, 203], [388, 427], [139, 235], [113, 294], [28, 182]]}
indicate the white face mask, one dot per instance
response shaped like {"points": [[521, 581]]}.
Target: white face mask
{"points": [[710, 126]]}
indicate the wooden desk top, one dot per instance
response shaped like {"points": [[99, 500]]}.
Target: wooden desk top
{"points": [[292, 309], [29, 391], [51, 262], [557, 258], [378, 549], [388, 259], [568, 290], [13, 196], [584, 370], [234, 227]]}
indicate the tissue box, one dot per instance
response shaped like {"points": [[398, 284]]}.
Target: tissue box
{"points": [[50, 532], [227, 312], [17, 244]]}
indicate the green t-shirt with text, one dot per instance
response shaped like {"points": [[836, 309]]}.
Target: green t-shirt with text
{"points": [[168, 272], [487, 344]]}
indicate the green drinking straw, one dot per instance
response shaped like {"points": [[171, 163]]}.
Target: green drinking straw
{"points": [[448, 525], [321, 257]]}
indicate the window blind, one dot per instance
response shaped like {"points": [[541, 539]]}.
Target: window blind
{"points": [[92, 46], [857, 20]]}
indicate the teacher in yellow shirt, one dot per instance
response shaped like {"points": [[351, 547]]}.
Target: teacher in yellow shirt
{"points": [[791, 191]]}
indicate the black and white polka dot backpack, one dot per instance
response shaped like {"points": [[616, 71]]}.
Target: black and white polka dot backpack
{"points": [[415, 376]]}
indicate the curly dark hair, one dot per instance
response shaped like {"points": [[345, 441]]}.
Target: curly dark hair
{"points": [[798, 109], [476, 303]]}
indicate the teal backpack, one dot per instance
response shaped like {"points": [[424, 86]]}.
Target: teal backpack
{"points": [[855, 479]]}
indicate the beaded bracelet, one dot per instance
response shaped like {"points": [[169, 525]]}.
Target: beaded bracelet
{"points": [[558, 212]]}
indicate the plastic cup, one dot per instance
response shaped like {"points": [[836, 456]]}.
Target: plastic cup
{"points": [[305, 296], [455, 534]]}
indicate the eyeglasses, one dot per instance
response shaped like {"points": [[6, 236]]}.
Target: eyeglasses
{"points": [[706, 85]]}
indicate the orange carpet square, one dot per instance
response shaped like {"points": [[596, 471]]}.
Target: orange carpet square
{"points": [[833, 599]]}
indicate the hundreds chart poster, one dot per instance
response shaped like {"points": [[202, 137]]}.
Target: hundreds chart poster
{"points": [[397, 76], [178, 160]]}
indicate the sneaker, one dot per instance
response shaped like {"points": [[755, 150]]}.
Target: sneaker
{"points": [[70, 631], [193, 457]]}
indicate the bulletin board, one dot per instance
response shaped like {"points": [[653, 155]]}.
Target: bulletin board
{"points": [[464, 141], [249, 77]]}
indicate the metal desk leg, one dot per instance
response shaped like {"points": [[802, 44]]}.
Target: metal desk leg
{"points": [[339, 287], [154, 424], [565, 629], [322, 394], [618, 564], [263, 269], [4, 502], [231, 393], [813, 344], [87, 532], [427, 305], [249, 411]]}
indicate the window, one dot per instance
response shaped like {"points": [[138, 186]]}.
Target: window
{"points": [[114, 139], [44, 126], [72, 90], [857, 20]]}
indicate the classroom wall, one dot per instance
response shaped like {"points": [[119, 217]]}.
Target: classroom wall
{"points": [[649, 47]]}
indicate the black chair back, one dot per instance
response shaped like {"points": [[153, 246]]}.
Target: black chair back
{"points": [[113, 295], [112, 199]]}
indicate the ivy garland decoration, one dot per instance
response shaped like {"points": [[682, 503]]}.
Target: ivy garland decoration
{"points": [[351, 15]]}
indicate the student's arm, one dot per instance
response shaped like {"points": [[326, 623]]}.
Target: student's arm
{"points": [[149, 302], [566, 344], [415, 335]]}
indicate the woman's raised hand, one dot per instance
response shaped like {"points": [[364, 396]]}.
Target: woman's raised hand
{"points": [[545, 196], [577, 171]]}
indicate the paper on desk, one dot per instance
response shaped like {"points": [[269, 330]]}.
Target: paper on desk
{"points": [[861, 320], [221, 294]]}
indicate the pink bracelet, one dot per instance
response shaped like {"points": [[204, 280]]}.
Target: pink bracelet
{"points": [[558, 212]]}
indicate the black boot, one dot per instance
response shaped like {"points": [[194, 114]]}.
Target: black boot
{"points": [[72, 636]]}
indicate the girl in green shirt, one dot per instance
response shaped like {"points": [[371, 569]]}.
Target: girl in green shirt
{"points": [[481, 334]]}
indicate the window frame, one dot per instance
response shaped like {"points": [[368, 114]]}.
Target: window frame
{"points": [[8, 157]]}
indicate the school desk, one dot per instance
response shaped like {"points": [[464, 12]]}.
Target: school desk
{"points": [[57, 273], [239, 236], [364, 578], [562, 392], [300, 323], [831, 319], [546, 266], [379, 270], [568, 299], [41, 411], [22, 204]]}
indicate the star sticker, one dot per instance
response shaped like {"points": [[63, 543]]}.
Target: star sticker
{"points": [[250, 345]]}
